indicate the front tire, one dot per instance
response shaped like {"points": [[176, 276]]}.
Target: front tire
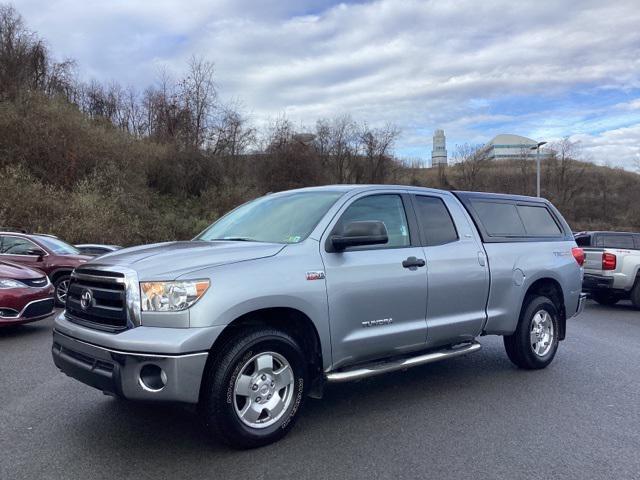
{"points": [[534, 343], [61, 288], [254, 388]]}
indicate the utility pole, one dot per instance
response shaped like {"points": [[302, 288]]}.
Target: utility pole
{"points": [[537, 149]]}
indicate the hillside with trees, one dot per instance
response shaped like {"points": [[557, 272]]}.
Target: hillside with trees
{"points": [[96, 162]]}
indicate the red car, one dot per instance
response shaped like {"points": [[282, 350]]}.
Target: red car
{"points": [[46, 253], [26, 295]]}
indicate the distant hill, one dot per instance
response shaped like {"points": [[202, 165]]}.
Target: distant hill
{"points": [[588, 195], [95, 163]]}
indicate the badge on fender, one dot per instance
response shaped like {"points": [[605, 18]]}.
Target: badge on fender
{"points": [[316, 275]]}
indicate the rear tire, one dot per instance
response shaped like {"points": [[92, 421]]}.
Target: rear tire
{"points": [[254, 388], [534, 343], [606, 298], [635, 294]]}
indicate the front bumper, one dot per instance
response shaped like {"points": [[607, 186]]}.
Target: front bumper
{"points": [[35, 307], [119, 372]]}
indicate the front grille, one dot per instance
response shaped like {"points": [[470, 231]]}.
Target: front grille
{"points": [[37, 309], [106, 308], [35, 282]]}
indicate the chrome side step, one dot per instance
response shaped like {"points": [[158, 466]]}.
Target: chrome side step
{"points": [[393, 365]]}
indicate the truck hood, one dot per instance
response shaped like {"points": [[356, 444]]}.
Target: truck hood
{"points": [[168, 261]]}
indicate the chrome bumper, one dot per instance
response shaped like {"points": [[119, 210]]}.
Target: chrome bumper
{"points": [[126, 374]]}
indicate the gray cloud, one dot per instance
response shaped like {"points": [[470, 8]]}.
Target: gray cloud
{"points": [[420, 64]]}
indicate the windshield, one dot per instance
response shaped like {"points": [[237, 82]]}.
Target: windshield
{"points": [[287, 218], [57, 246]]}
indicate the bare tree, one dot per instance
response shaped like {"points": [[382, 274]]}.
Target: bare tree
{"points": [[199, 98], [377, 150], [337, 143], [231, 135], [526, 172], [25, 63], [565, 171], [470, 162]]}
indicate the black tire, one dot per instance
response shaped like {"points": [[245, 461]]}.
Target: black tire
{"points": [[635, 294], [57, 285], [605, 298], [519, 348], [218, 400]]}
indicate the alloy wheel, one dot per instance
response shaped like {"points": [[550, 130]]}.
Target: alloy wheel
{"points": [[61, 291], [263, 390], [542, 334]]}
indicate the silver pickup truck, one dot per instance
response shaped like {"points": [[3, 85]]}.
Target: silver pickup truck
{"points": [[316, 285], [612, 266]]}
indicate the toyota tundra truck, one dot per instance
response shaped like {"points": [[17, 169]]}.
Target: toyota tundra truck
{"points": [[612, 266], [327, 284]]}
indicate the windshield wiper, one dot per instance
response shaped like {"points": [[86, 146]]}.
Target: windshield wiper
{"points": [[234, 239]]}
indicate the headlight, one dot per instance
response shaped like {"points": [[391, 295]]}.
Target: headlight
{"points": [[8, 283], [171, 296]]}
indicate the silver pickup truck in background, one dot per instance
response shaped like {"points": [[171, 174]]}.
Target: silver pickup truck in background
{"points": [[612, 266], [325, 284]]}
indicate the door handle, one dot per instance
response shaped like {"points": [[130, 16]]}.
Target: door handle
{"points": [[413, 262]]}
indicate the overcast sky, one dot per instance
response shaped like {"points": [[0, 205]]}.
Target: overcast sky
{"points": [[543, 69]]}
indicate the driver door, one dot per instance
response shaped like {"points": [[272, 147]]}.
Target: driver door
{"points": [[377, 306]]}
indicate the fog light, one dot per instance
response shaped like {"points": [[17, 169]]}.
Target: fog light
{"points": [[152, 378]]}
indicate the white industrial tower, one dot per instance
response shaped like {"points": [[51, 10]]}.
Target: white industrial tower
{"points": [[439, 152]]}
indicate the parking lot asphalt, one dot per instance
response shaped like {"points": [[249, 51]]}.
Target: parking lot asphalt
{"points": [[471, 417]]}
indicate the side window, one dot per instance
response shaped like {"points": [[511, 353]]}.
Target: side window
{"points": [[435, 221], [615, 241], [388, 209], [583, 240], [499, 219], [538, 221], [16, 246]]}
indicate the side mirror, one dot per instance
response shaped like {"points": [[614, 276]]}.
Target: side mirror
{"points": [[37, 252], [356, 234]]}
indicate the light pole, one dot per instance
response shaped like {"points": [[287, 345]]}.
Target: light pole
{"points": [[537, 149]]}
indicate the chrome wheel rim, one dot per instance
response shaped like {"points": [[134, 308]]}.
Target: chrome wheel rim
{"points": [[542, 333], [263, 390], [62, 290]]}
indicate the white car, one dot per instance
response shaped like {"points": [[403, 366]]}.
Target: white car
{"points": [[612, 266]]}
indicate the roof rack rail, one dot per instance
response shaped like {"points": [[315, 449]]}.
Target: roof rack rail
{"points": [[12, 229]]}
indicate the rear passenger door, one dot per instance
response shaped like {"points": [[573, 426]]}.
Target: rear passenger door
{"points": [[457, 272]]}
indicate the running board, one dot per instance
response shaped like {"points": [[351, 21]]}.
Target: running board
{"points": [[393, 365]]}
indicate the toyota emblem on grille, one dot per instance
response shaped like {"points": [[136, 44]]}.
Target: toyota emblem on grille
{"points": [[85, 299]]}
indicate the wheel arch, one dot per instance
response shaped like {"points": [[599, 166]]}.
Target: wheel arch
{"points": [[549, 287], [293, 321], [58, 272]]}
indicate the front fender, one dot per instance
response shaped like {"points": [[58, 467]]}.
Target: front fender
{"points": [[273, 282]]}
